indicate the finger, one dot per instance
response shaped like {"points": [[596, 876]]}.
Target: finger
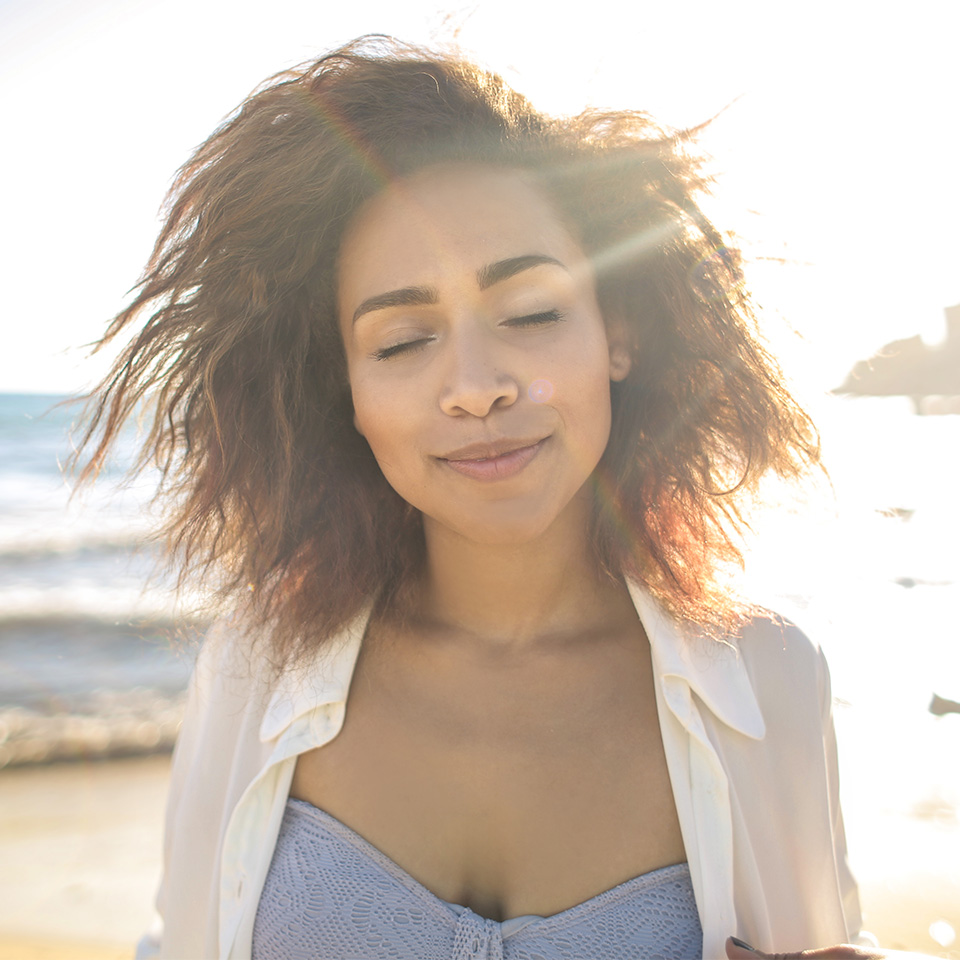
{"points": [[739, 950]]}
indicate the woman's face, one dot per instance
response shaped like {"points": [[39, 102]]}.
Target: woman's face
{"points": [[478, 360]]}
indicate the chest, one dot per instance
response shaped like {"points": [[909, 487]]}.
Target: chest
{"points": [[513, 786]]}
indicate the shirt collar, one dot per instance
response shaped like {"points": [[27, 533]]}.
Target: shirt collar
{"points": [[712, 669], [322, 679]]}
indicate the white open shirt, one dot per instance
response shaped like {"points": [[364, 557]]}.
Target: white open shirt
{"points": [[747, 731]]}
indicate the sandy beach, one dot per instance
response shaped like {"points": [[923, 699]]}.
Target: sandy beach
{"points": [[81, 852], [910, 884]]}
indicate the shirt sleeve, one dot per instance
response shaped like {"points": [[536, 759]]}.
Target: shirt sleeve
{"points": [[195, 800], [148, 946], [847, 884], [184, 756]]}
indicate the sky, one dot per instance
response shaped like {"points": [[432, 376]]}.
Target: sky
{"points": [[835, 150]]}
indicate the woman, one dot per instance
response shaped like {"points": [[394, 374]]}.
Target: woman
{"points": [[459, 404]]}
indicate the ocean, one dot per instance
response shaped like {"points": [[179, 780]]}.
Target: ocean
{"points": [[94, 660]]}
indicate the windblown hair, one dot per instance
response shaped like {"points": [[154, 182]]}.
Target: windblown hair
{"points": [[268, 487]]}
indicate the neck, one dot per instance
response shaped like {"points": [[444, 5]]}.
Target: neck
{"points": [[519, 594]]}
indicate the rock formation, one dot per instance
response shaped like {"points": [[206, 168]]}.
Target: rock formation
{"points": [[911, 368]]}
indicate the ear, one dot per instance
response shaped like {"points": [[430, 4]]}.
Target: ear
{"points": [[620, 362], [620, 359]]}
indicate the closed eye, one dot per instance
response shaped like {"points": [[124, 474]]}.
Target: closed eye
{"points": [[535, 319], [408, 346]]}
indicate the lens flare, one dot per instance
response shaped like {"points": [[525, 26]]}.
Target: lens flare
{"points": [[540, 391], [942, 932], [715, 276]]}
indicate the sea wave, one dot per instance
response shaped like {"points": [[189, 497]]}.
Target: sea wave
{"points": [[119, 598], [82, 544], [53, 665], [47, 514], [171, 626], [87, 688], [109, 585], [119, 723]]}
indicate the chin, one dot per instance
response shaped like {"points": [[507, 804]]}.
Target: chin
{"points": [[509, 525]]}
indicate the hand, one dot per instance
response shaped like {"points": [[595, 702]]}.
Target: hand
{"points": [[738, 950]]}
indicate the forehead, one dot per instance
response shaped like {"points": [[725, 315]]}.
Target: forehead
{"points": [[447, 220]]}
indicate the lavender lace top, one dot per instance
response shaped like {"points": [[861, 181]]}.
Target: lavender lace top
{"points": [[330, 895]]}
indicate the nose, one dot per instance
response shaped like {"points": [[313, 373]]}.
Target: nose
{"points": [[476, 378]]}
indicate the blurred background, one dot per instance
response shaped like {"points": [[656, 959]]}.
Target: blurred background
{"points": [[835, 150]]}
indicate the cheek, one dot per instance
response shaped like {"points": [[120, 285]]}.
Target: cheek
{"points": [[587, 384], [368, 408], [373, 420], [389, 427], [593, 412]]}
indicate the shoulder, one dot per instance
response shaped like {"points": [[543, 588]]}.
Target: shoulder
{"points": [[791, 683], [239, 676], [783, 662], [232, 683], [234, 660]]}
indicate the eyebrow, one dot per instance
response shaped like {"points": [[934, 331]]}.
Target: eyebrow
{"points": [[505, 269], [407, 297], [488, 276]]}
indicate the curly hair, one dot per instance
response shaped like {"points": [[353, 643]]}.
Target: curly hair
{"points": [[268, 486]]}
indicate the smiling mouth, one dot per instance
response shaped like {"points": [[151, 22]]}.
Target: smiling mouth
{"points": [[493, 461]]}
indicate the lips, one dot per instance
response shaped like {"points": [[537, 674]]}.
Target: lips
{"points": [[498, 460]]}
